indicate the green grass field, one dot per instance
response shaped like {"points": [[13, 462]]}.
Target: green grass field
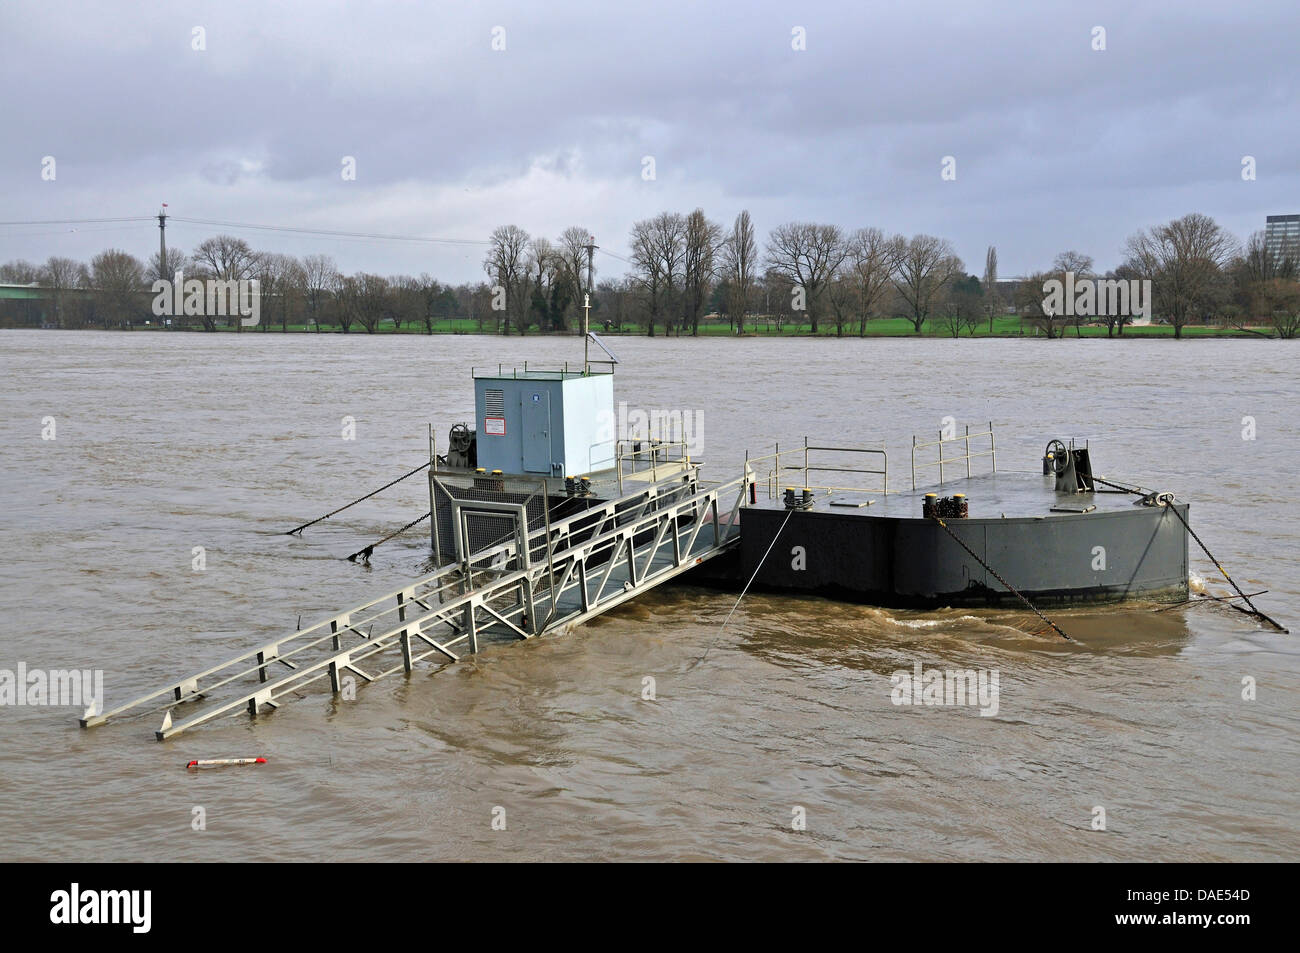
{"points": [[1004, 326]]}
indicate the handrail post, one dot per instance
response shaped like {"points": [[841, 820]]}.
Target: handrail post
{"points": [[993, 448]]}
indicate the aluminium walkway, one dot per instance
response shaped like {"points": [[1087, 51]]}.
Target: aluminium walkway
{"points": [[538, 580]]}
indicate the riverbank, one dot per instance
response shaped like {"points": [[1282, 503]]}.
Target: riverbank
{"points": [[1007, 326]]}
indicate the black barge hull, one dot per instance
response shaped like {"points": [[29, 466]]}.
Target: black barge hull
{"points": [[1113, 555]]}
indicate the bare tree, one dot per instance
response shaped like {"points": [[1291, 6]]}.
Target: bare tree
{"points": [[408, 301], [118, 279], [870, 262], [507, 267], [319, 279], [159, 270], [841, 295], [475, 301], [343, 290], [571, 259], [962, 304], [225, 258], [1281, 297], [1080, 265], [19, 272], [739, 264], [1029, 298], [1260, 285], [701, 238], [1184, 260], [277, 281], [778, 296], [923, 266], [549, 287], [991, 302], [430, 295], [373, 301], [808, 254], [658, 250], [616, 301], [293, 284], [60, 275]]}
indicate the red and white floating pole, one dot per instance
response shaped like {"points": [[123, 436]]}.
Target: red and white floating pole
{"points": [[212, 762]]}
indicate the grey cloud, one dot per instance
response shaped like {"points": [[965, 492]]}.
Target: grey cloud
{"points": [[1056, 145]]}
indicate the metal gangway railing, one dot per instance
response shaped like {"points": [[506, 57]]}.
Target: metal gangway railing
{"points": [[794, 466], [650, 459], [965, 439], [539, 579]]}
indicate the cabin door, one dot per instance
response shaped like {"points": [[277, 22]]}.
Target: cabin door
{"points": [[536, 407]]}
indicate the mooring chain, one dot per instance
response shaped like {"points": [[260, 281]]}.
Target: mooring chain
{"points": [[993, 572], [366, 553], [1273, 622], [299, 529], [1205, 549]]}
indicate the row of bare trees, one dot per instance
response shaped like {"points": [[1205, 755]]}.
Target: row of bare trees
{"points": [[685, 266], [114, 291], [1199, 274], [537, 282], [824, 272]]}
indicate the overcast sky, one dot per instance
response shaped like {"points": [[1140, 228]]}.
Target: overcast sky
{"points": [[1056, 145]]}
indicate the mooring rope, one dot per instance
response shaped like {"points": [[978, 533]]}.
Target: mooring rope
{"points": [[299, 529], [366, 553], [994, 573], [1205, 549], [717, 634]]}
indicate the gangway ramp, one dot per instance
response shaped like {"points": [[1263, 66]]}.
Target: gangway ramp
{"points": [[535, 581]]}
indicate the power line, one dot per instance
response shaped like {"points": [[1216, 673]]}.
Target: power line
{"points": [[289, 229], [80, 231], [83, 221], [331, 233]]}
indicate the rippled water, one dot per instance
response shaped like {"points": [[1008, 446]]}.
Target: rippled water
{"points": [[166, 442]]}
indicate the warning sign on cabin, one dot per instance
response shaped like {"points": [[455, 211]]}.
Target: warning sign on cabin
{"points": [[494, 426]]}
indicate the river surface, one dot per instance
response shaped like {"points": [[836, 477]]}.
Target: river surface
{"points": [[168, 442]]}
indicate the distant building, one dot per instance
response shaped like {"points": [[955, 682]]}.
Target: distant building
{"points": [[1282, 236]]}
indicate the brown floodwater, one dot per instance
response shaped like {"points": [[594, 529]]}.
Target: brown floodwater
{"points": [[167, 442]]}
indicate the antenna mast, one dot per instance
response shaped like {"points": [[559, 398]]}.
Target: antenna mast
{"points": [[162, 243], [591, 247]]}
